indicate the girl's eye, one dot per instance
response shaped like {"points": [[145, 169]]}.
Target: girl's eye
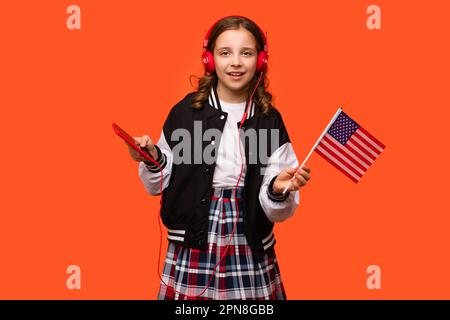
{"points": [[246, 53]]}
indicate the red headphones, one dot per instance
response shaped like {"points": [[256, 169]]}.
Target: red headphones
{"points": [[208, 57]]}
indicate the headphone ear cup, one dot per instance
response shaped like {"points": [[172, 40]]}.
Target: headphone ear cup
{"points": [[261, 64], [208, 61]]}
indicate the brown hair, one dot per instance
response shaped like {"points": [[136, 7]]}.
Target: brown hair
{"points": [[263, 99]]}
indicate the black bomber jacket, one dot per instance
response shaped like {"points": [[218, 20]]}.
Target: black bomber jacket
{"points": [[187, 183]]}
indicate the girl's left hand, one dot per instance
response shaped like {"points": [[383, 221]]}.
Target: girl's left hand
{"points": [[301, 178]]}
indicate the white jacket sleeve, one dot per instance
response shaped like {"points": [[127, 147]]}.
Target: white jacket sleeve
{"points": [[151, 175], [279, 210]]}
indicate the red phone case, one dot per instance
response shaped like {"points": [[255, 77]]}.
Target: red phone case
{"points": [[129, 139]]}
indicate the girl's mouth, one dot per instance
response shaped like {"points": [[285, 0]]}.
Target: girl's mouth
{"points": [[236, 75]]}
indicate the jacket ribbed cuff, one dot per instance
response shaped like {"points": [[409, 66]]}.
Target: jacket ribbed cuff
{"points": [[274, 196], [161, 159]]}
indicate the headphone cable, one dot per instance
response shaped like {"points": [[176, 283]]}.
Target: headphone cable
{"points": [[235, 200]]}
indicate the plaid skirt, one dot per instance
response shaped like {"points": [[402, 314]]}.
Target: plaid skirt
{"points": [[238, 276]]}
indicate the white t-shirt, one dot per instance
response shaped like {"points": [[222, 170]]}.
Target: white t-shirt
{"points": [[228, 163]]}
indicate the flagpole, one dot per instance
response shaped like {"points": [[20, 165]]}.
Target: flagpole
{"points": [[314, 147]]}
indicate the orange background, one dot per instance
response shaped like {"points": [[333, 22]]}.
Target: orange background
{"points": [[71, 194]]}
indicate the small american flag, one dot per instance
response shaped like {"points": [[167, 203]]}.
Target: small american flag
{"points": [[349, 147]]}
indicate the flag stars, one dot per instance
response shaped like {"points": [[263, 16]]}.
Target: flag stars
{"points": [[343, 128]]}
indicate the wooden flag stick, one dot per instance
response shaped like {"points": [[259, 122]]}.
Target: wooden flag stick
{"points": [[314, 147]]}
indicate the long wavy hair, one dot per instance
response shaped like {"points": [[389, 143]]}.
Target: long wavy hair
{"points": [[262, 98]]}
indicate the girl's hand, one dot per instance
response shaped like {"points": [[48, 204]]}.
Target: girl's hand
{"points": [[147, 144], [301, 178]]}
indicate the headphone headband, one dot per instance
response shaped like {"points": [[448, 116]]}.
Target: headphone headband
{"points": [[208, 33]]}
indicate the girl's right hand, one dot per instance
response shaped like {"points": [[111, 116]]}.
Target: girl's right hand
{"points": [[147, 145]]}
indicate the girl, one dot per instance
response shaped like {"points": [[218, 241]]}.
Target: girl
{"points": [[220, 204]]}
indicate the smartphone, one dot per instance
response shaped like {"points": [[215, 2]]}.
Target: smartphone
{"points": [[130, 141]]}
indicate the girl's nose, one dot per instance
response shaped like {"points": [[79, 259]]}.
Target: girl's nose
{"points": [[236, 60]]}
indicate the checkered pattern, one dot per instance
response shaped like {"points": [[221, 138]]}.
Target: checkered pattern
{"points": [[237, 277]]}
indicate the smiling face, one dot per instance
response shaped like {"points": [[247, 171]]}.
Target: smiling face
{"points": [[235, 58]]}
